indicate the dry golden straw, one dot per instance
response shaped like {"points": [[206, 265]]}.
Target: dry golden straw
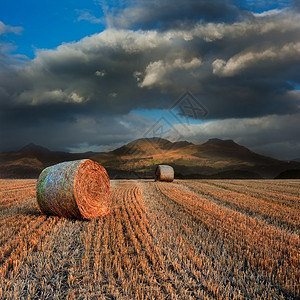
{"points": [[77, 189], [164, 173]]}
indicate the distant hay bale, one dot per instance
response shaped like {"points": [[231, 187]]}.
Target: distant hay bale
{"points": [[77, 189], [164, 173]]}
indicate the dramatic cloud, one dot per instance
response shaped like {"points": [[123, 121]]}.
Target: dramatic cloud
{"points": [[139, 65], [239, 65], [158, 73], [59, 130], [169, 14], [248, 59]]}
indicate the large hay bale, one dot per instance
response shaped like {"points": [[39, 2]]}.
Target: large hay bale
{"points": [[75, 189], [164, 173]]}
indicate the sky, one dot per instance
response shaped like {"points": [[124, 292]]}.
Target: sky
{"points": [[92, 75]]}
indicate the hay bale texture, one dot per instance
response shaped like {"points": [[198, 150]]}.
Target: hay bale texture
{"points": [[77, 189], [164, 173]]}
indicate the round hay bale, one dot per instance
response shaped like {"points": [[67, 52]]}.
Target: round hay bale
{"points": [[164, 173], [77, 189]]}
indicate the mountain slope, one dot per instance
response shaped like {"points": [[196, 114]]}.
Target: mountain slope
{"points": [[215, 158], [29, 161], [138, 159]]}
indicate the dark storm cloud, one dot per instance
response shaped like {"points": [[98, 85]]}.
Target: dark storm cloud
{"points": [[59, 128], [119, 70], [170, 14], [246, 66], [296, 4]]}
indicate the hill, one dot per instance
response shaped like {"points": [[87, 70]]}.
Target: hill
{"points": [[215, 158], [29, 161], [292, 173]]}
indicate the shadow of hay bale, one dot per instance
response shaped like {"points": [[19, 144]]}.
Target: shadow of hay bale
{"points": [[31, 211]]}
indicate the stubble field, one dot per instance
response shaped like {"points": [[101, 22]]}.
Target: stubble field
{"points": [[190, 239]]}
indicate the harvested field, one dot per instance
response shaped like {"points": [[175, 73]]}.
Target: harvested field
{"points": [[190, 239]]}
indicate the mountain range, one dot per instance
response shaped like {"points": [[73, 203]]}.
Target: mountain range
{"points": [[138, 159]]}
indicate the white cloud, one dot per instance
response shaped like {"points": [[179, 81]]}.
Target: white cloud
{"points": [[9, 29], [275, 21], [128, 40], [74, 97], [101, 73], [52, 96], [247, 59], [156, 72], [268, 13], [87, 16]]}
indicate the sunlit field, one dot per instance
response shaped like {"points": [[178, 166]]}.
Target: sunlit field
{"points": [[190, 239]]}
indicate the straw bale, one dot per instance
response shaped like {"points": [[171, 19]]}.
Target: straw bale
{"points": [[77, 189], [164, 173]]}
